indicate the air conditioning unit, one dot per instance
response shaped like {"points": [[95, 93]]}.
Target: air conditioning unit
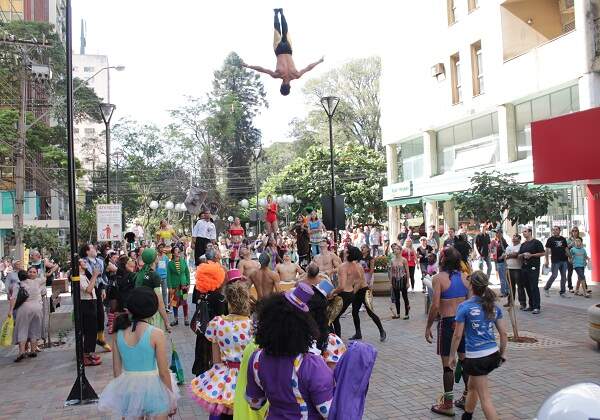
{"points": [[438, 70]]}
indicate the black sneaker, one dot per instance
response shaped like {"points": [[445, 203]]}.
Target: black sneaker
{"points": [[382, 336], [174, 323], [530, 309]]}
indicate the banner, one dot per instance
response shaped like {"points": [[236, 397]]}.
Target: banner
{"points": [[108, 222]]}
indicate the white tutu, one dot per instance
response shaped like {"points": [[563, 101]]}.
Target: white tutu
{"points": [[138, 394]]}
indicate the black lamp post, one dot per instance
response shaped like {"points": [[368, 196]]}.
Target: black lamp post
{"points": [[107, 111], [330, 104], [257, 151]]}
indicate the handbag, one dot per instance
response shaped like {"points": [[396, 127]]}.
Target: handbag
{"points": [[22, 296], [201, 317], [176, 366], [6, 333]]}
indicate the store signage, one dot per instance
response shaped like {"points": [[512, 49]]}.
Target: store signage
{"points": [[399, 190]]}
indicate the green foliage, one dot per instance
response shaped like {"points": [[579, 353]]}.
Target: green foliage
{"points": [[495, 196], [356, 83], [48, 243], [359, 174]]}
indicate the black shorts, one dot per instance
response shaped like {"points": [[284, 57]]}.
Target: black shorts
{"points": [[481, 366], [444, 337], [283, 47]]}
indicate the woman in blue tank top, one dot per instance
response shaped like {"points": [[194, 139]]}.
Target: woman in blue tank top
{"points": [[143, 384]]}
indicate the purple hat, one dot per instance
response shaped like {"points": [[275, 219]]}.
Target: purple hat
{"points": [[299, 296]]}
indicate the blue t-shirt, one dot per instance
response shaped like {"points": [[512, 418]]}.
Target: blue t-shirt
{"points": [[579, 256], [161, 267], [480, 340]]}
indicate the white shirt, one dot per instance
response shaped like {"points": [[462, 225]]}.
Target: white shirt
{"points": [[513, 263], [138, 231], [385, 235], [204, 229], [375, 238]]}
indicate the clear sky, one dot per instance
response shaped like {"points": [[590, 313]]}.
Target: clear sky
{"points": [[171, 48]]}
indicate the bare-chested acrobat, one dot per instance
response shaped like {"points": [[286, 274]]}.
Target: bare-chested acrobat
{"points": [[282, 44]]}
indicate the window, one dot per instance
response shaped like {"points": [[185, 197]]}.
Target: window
{"points": [[558, 103], [11, 10], [477, 68], [88, 69], [456, 80], [473, 5], [451, 12], [469, 144], [90, 131], [410, 160]]}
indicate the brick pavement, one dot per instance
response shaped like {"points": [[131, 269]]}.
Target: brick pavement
{"points": [[405, 381]]}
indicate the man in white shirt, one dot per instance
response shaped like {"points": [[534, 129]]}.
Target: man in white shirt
{"points": [[138, 231], [514, 263], [375, 241], [204, 232]]}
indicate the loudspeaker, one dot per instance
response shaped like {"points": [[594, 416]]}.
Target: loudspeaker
{"points": [[340, 213]]}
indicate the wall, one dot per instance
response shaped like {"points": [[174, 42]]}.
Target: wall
{"points": [[517, 35]]}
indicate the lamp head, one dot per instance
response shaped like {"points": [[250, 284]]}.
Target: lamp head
{"points": [[330, 104], [107, 111]]}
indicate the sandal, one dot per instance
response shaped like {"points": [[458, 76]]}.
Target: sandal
{"points": [[20, 357], [32, 354]]}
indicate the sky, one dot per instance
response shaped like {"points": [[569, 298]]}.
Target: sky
{"points": [[171, 48]]}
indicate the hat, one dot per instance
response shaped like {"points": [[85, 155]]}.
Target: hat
{"points": [[233, 275], [299, 296], [142, 303], [149, 255]]}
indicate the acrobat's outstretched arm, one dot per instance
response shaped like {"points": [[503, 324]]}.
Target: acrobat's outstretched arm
{"points": [[310, 67], [261, 70]]}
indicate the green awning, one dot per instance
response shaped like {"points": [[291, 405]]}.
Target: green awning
{"points": [[437, 197], [404, 201]]}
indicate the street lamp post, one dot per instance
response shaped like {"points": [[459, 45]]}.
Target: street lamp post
{"points": [[107, 110], [257, 152], [330, 104]]}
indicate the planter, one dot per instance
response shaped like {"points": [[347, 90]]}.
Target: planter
{"points": [[381, 284], [594, 320]]}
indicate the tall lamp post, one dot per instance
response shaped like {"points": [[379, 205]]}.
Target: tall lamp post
{"points": [[257, 152], [330, 104], [107, 110]]}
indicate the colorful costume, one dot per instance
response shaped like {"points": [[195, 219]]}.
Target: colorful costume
{"points": [[241, 408], [138, 391], [149, 278], [178, 279], [214, 389]]}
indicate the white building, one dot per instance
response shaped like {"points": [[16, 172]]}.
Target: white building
{"points": [[462, 85], [90, 144]]}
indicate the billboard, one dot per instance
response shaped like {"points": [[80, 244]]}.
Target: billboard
{"points": [[108, 222]]}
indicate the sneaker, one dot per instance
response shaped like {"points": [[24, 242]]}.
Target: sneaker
{"points": [[444, 407], [523, 307], [535, 311], [168, 311], [530, 309], [174, 323], [564, 295], [460, 403], [186, 322], [405, 317], [382, 336], [547, 292], [588, 295], [571, 291]]}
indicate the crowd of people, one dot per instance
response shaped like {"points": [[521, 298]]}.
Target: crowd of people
{"points": [[272, 304]]}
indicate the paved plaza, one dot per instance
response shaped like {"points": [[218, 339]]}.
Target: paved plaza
{"points": [[405, 381]]}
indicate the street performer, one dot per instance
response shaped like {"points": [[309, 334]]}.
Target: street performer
{"points": [[236, 233], [450, 289], [203, 233], [285, 69]]}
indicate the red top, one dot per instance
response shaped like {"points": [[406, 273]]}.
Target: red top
{"points": [[272, 212], [236, 231], [411, 257]]}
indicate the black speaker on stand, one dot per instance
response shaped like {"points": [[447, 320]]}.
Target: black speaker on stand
{"points": [[340, 213]]}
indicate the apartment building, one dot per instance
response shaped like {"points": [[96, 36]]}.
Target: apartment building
{"points": [[460, 96]]}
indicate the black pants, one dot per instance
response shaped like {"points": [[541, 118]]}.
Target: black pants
{"points": [[516, 283], [348, 298], [411, 273], [200, 248], [203, 350], [99, 310], [530, 278], [89, 324], [398, 287], [282, 45], [359, 300], [569, 275]]}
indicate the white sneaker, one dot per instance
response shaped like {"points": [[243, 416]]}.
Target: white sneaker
{"points": [[547, 293], [564, 295]]}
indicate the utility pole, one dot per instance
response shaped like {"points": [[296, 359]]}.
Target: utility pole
{"points": [[39, 73]]}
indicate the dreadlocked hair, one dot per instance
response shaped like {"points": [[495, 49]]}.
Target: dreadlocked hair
{"points": [[479, 284], [282, 329]]}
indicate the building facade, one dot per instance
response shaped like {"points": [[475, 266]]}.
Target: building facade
{"points": [[462, 99]]}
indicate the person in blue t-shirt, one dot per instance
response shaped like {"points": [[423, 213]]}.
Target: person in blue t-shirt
{"points": [[579, 259], [161, 270], [476, 317]]}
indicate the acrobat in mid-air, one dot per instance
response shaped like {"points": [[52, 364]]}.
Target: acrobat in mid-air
{"points": [[282, 44]]}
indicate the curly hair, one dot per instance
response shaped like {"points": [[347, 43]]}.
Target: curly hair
{"points": [[282, 329], [238, 298]]}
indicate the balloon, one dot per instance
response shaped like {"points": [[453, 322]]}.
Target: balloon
{"points": [[230, 219], [153, 205], [244, 203]]}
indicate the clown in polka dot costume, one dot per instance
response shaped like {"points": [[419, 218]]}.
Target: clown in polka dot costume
{"points": [[214, 389]]}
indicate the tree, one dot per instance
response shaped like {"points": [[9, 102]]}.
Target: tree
{"points": [[356, 83], [359, 174], [47, 241], [236, 98], [495, 196]]}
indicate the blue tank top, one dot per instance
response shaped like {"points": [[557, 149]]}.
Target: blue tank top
{"points": [[457, 288], [138, 358]]}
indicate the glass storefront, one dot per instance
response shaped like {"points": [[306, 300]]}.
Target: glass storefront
{"points": [[410, 159]]}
